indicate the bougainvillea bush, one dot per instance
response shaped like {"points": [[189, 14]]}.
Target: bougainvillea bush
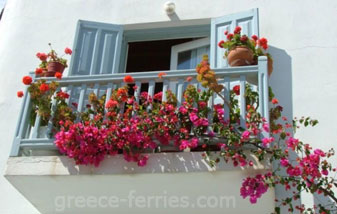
{"points": [[134, 126]]}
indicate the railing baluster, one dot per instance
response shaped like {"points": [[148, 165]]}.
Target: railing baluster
{"points": [[165, 87], [96, 89], [81, 98], [36, 126], [227, 91], [150, 92], [50, 122], [210, 114], [137, 91], [69, 91], [242, 101], [263, 89], [108, 94], [180, 92]]}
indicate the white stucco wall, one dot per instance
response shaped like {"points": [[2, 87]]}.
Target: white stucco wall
{"points": [[302, 34]]}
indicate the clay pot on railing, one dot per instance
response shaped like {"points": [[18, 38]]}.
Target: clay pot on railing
{"points": [[240, 56], [54, 67]]}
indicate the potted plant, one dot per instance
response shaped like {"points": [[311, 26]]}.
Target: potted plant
{"points": [[51, 64], [242, 51]]}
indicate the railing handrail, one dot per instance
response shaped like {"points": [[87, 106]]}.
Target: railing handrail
{"points": [[233, 72]]}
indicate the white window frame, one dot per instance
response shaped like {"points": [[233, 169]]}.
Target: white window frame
{"points": [[176, 49]]}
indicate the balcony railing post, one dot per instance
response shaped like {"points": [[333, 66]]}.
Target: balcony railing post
{"points": [[263, 88]]}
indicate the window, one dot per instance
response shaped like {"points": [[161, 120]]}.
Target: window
{"points": [[101, 48]]}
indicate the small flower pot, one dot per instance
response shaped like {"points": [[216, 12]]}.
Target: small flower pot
{"points": [[240, 56], [54, 67]]}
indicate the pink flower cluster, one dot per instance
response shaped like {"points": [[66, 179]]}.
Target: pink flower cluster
{"points": [[254, 187]]}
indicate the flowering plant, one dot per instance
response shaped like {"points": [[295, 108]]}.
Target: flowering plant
{"points": [[41, 94], [52, 56], [257, 45]]}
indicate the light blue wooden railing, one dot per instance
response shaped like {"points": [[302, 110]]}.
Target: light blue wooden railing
{"points": [[80, 86]]}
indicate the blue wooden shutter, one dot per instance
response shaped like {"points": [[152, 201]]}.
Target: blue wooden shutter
{"points": [[97, 48], [247, 20]]}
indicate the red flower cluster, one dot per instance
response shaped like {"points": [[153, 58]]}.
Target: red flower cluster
{"points": [[20, 93], [62, 94], [161, 74], [237, 30], [230, 36], [38, 71], [221, 43], [128, 79], [236, 89], [111, 104], [27, 80], [58, 75], [42, 56], [263, 42], [44, 87], [244, 38], [68, 51]]}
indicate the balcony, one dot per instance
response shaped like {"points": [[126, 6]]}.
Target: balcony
{"points": [[35, 162]]}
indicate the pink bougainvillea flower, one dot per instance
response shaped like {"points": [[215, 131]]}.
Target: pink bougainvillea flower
{"points": [[111, 104]]}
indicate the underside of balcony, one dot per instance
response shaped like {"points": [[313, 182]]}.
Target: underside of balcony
{"points": [[82, 189]]}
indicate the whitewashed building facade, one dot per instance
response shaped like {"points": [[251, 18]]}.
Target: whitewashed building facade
{"points": [[303, 42]]}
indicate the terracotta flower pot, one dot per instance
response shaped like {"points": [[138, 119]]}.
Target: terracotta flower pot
{"points": [[54, 67], [240, 56]]}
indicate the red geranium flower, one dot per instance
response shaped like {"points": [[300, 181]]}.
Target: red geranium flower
{"points": [[230, 36], [38, 71], [263, 42], [189, 79], [58, 75], [68, 51], [62, 94], [128, 79], [226, 32], [237, 30], [236, 89], [44, 87], [20, 93], [161, 74], [274, 101], [243, 38], [255, 38], [42, 56], [27, 80], [221, 43]]}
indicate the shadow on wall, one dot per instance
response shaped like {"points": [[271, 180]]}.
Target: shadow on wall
{"points": [[281, 80]]}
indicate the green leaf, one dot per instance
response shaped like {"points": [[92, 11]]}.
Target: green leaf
{"points": [[277, 210]]}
